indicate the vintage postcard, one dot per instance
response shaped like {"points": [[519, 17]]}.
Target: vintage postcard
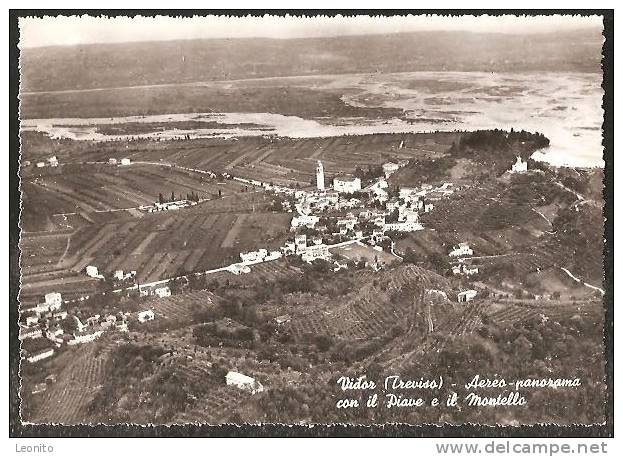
{"points": [[361, 220]]}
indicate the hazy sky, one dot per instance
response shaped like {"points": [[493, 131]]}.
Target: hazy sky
{"points": [[86, 29]]}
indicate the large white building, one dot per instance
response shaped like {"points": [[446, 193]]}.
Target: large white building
{"points": [[519, 166], [92, 271], [319, 176], [53, 302], [243, 382], [346, 185]]}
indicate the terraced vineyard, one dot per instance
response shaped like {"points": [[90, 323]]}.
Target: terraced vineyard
{"points": [[65, 402], [181, 307], [372, 311], [215, 407]]}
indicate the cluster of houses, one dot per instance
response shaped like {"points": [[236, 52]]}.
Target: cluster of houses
{"points": [[93, 272], [458, 253], [51, 162], [44, 321]]}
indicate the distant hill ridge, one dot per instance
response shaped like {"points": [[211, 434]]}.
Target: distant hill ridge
{"points": [[144, 63]]}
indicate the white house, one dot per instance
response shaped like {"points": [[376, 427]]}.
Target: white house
{"points": [[243, 382], [163, 291], [125, 161], [44, 354], [119, 275], [288, 248], [40, 164], [254, 256], [32, 320], [462, 249], [304, 221], [519, 166], [53, 161], [145, 316], [466, 295], [389, 168], [300, 242], [53, 302], [92, 271], [112, 161], [346, 185], [316, 251]]}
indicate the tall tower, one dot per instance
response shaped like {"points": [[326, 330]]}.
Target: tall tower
{"points": [[320, 176]]}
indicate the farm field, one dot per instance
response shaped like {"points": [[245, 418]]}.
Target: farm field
{"points": [[374, 309], [285, 161], [91, 188], [158, 245], [66, 401]]}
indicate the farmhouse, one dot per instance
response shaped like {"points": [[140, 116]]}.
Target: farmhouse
{"points": [[125, 161], [519, 166], [317, 251], [145, 316], [243, 382], [346, 184], [462, 249], [53, 161], [466, 295], [92, 272], [162, 292], [462, 269], [40, 355]]}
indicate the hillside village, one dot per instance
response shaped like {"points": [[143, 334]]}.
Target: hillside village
{"points": [[327, 217], [350, 224]]}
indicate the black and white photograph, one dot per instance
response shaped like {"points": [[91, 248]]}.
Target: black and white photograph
{"points": [[311, 220]]}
